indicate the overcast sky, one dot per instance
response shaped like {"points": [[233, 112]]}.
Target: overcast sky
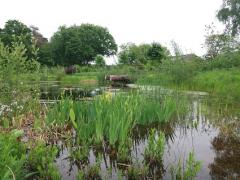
{"points": [[138, 21]]}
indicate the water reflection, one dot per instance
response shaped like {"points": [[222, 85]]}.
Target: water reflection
{"points": [[226, 164]]}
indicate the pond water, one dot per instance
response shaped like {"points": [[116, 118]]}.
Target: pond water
{"points": [[210, 132], [54, 90]]}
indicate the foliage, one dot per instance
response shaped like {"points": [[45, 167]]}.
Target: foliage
{"points": [[45, 55], [18, 96], [16, 164], [79, 154], [136, 172], [230, 16], [215, 82], [157, 52], [223, 61], [17, 32], [92, 172], [182, 71], [80, 44], [142, 54], [217, 43], [111, 118], [41, 160], [155, 149], [12, 156], [200, 75], [133, 54], [189, 172], [99, 61]]}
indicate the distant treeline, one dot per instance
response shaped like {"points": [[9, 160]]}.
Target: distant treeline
{"points": [[88, 44]]}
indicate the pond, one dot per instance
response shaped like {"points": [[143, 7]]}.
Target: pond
{"points": [[210, 130]]}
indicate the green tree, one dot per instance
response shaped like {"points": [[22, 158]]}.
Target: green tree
{"points": [[81, 44], [45, 55], [229, 14], [142, 54], [218, 43], [133, 54], [157, 52], [99, 60], [17, 32]]}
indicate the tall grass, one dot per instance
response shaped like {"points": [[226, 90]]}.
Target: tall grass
{"points": [[222, 83]]}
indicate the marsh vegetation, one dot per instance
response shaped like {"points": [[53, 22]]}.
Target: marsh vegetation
{"points": [[62, 118]]}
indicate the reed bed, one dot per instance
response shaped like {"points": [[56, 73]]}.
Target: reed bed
{"points": [[111, 118]]}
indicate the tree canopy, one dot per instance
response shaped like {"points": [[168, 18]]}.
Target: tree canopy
{"points": [[142, 54], [217, 44], [229, 14], [81, 44], [17, 32]]}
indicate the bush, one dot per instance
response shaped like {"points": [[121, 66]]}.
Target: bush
{"points": [[12, 156], [41, 160], [70, 70], [14, 68], [223, 61], [99, 61]]}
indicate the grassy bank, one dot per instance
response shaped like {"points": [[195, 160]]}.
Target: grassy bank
{"points": [[224, 83]]}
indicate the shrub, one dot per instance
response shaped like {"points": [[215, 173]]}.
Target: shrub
{"points": [[14, 69], [12, 156], [70, 70], [41, 160]]}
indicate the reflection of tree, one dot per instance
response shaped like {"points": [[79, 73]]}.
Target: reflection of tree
{"points": [[226, 164]]}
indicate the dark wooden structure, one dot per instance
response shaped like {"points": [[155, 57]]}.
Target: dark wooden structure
{"points": [[118, 80]]}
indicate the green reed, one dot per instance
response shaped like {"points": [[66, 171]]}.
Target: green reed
{"points": [[111, 118], [155, 149]]}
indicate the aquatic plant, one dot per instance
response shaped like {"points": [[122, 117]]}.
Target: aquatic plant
{"points": [[124, 154], [79, 154], [155, 149], [59, 113], [137, 172], [41, 160], [109, 118], [90, 172], [190, 170]]}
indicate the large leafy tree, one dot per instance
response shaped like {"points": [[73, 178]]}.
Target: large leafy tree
{"points": [[229, 14], [81, 44], [16, 32]]}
